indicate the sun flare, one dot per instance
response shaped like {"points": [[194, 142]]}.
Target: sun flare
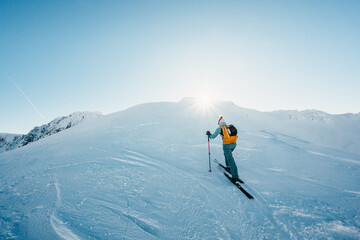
{"points": [[203, 102]]}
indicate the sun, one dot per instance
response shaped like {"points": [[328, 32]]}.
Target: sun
{"points": [[203, 102]]}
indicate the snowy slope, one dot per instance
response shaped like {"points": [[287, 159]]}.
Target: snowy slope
{"points": [[337, 131], [13, 141], [142, 174]]}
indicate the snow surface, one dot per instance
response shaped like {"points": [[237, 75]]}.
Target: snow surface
{"points": [[142, 173]]}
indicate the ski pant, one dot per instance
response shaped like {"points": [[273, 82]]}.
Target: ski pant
{"points": [[229, 159]]}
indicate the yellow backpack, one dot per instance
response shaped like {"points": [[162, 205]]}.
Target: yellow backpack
{"points": [[225, 134]]}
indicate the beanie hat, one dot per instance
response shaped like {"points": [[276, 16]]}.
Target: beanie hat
{"points": [[221, 120]]}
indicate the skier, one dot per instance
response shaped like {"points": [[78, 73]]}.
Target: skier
{"points": [[229, 144]]}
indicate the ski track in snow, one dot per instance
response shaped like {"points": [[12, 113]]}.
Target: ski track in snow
{"points": [[57, 224], [259, 203], [138, 160], [306, 179], [128, 162], [261, 134], [275, 169], [353, 192], [206, 190], [148, 225], [61, 229], [338, 226], [285, 232], [58, 192], [225, 232], [323, 227], [148, 124], [335, 158]]}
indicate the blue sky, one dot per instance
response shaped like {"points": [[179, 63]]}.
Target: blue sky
{"points": [[58, 57]]}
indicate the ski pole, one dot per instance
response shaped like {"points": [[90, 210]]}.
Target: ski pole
{"points": [[209, 154]]}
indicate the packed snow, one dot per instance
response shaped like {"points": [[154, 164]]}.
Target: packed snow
{"points": [[142, 173]]}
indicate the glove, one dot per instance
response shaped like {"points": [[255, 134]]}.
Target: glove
{"points": [[208, 133]]}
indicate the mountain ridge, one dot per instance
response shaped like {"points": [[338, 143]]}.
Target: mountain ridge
{"points": [[13, 141]]}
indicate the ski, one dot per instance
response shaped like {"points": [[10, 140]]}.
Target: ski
{"points": [[236, 183], [223, 168]]}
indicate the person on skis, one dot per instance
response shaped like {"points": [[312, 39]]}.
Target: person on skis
{"points": [[229, 144]]}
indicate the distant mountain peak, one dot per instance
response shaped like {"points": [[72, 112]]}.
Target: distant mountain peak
{"points": [[311, 115], [13, 141]]}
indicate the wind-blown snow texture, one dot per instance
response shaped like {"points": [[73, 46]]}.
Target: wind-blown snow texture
{"points": [[142, 174]]}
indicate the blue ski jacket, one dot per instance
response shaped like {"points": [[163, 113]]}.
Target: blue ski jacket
{"points": [[217, 131]]}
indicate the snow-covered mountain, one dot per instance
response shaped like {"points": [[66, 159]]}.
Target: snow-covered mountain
{"points": [[13, 141], [142, 173], [7, 140], [340, 131]]}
